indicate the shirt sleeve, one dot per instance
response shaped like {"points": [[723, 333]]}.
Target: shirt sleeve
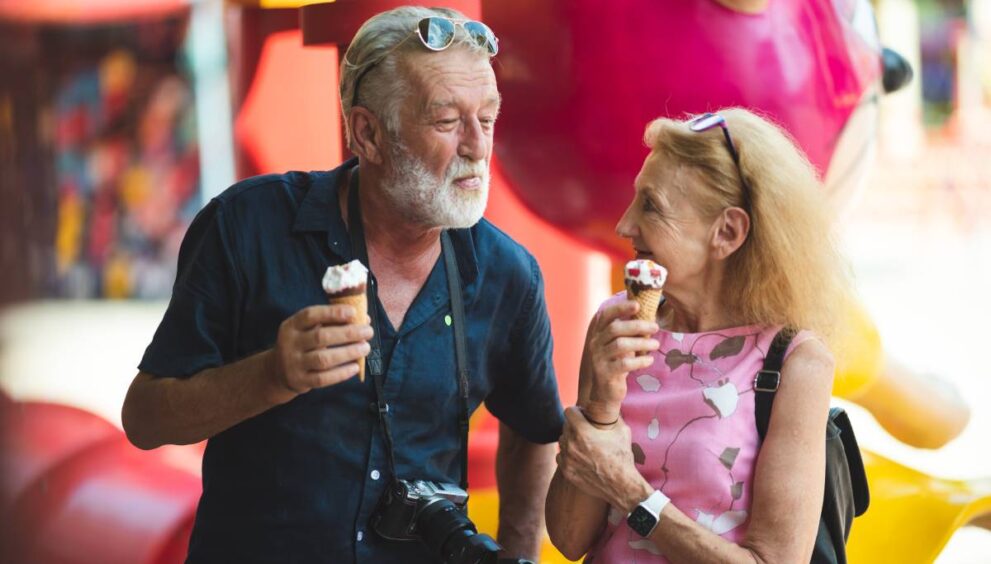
{"points": [[525, 396], [200, 324]]}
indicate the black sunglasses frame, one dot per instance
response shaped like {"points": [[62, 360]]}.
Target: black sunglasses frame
{"points": [[706, 122]]}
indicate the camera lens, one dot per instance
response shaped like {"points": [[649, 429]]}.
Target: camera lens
{"points": [[471, 548], [449, 533]]}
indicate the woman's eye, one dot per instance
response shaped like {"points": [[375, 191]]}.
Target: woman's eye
{"points": [[648, 206]]}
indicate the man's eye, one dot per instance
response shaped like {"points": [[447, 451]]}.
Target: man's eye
{"points": [[648, 206], [451, 121]]}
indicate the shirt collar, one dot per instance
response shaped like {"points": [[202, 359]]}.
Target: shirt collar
{"points": [[319, 211]]}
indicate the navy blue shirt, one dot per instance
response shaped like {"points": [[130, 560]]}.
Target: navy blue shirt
{"points": [[299, 482]]}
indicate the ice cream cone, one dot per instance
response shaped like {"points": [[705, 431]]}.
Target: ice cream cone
{"points": [[644, 284], [649, 300], [346, 284], [359, 302]]}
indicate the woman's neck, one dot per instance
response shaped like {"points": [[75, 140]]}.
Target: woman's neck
{"points": [[699, 308]]}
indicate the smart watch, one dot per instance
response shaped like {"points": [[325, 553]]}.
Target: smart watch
{"points": [[645, 516]]}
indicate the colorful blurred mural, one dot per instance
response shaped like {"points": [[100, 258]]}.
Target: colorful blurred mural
{"points": [[117, 119]]}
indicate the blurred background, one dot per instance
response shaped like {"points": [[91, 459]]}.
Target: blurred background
{"points": [[119, 120]]}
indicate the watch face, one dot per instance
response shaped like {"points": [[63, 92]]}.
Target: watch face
{"points": [[641, 521]]}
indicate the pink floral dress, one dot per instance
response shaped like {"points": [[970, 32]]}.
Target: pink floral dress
{"points": [[691, 415]]}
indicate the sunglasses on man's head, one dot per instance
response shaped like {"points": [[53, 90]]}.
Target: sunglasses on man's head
{"points": [[706, 122], [437, 34]]}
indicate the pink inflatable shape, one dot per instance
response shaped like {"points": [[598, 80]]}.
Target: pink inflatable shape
{"points": [[581, 79]]}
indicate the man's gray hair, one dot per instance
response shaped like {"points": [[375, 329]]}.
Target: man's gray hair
{"points": [[382, 42]]}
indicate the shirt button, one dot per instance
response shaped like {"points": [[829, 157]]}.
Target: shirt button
{"points": [[361, 535], [376, 475]]}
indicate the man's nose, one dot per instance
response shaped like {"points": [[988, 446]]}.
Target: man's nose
{"points": [[474, 143]]}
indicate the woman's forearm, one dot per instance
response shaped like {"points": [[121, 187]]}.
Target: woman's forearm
{"points": [[683, 541], [574, 518]]}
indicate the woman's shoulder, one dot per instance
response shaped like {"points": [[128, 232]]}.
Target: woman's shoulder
{"points": [[809, 357]]}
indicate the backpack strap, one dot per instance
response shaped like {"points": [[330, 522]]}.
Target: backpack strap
{"points": [[768, 379]]}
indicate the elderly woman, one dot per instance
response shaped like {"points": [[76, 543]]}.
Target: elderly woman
{"points": [[661, 460]]}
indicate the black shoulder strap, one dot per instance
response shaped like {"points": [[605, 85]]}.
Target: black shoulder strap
{"points": [[460, 346], [768, 379], [375, 361]]}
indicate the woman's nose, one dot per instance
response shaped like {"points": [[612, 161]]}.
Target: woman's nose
{"points": [[627, 227]]}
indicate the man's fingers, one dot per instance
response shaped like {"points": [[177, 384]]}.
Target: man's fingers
{"points": [[312, 316], [573, 415], [336, 375], [330, 358], [575, 421], [323, 336]]}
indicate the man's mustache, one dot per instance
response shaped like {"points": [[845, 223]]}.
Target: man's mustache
{"points": [[461, 168]]}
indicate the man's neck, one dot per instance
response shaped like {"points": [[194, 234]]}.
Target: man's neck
{"points": [[395, 246]]}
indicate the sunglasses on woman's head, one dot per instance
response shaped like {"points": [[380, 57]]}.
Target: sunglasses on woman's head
{"points": [[706, 122], [437, 34]]}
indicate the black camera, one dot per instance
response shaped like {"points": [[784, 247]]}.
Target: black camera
{"points": [[433, 513]]}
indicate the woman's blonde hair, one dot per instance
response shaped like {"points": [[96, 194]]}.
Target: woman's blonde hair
{"points": [[789, 270]]}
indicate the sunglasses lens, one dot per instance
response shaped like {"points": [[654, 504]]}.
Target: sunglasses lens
{"points": [[707, 121], [482, 35], [436, 33]]}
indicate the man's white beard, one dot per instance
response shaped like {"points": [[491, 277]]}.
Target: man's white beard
{"points": [[430, 201]]}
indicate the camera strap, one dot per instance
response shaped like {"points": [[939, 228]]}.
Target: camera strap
{"points": [[460, 346], [375, 361]]}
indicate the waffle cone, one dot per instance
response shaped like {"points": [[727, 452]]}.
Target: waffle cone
{"points": [[360, 304], [649, 300]]}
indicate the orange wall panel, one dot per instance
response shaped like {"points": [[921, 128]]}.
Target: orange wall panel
{"points": [[293, 89]]}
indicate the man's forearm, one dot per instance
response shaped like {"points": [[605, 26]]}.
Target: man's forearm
{"points": [[160, 411], [523, 473]]}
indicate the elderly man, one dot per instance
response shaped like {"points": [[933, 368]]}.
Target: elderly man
{"points": [[301, 452]]}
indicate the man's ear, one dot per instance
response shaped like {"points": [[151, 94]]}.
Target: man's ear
{"points": [[367, 135], [729, 231]]}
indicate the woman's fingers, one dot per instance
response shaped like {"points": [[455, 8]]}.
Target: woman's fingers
{"points": [[630, 363], [620, 310], [624, 345], [631, 328]]}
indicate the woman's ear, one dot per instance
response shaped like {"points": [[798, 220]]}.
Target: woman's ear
{"points": [[367, 135], [729, 232]]}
